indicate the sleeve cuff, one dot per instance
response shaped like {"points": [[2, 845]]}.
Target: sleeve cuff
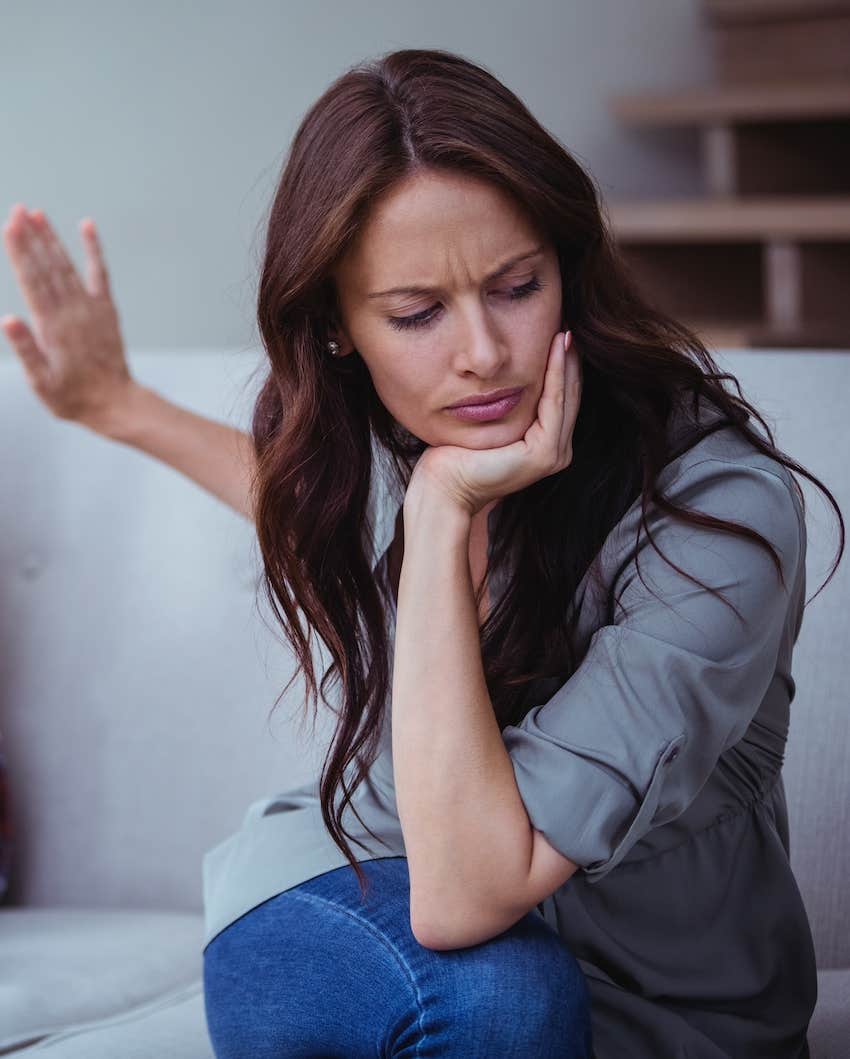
{"points": [[598, 816]]}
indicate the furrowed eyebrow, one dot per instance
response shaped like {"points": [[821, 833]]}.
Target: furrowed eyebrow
{"points": [[500, 271]]}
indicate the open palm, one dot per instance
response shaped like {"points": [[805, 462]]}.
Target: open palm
{"points": [[73, 355]]}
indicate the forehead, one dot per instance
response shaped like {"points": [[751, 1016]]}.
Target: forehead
{"points": [[435, 229]]}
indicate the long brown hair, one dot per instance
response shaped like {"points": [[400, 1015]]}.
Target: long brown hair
{"points": [[315, 416]]}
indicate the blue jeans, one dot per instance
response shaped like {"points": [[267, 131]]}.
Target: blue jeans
{"points": [[318, 972]]}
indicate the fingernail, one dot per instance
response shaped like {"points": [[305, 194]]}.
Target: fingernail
{"points": [[568, 337]]}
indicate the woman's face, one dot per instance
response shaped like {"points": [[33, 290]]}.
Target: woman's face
{"points": [[464, 332]]}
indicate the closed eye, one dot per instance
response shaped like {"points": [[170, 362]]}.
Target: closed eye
{"points": [[427, 316]]}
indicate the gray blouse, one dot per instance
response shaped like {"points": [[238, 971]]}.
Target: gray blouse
{"points": [[656, 767]]}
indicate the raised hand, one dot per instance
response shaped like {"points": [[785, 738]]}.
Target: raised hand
{"points": [[73, 355]]}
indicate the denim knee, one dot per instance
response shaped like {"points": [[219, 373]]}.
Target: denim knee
{"points": [[524, 987], [520, 993]]}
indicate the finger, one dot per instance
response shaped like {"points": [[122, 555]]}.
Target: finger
{"points": [[97, 277], [572, 393], [572, 371], [550, 410], [21, 339], [63, 274], [27, 263], [41, 256]]}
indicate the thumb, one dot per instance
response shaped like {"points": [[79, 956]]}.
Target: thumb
{"points": [[32, 358]]}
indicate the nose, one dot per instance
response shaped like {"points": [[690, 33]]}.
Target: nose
{"points": [[481, 347]]}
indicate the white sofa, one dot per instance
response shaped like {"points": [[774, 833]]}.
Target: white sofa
{"points": [[139, 667]]}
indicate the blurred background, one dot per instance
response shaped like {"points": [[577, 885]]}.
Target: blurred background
{"points": [[717, 130], [136, 674]]}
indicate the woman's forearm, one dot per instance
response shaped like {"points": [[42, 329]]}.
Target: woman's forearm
{"points": [[467, 835], [218, 457]]}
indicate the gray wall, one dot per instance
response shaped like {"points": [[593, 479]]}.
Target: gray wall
{"points": [[168, 123]]}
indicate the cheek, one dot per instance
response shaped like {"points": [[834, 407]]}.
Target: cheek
{"points": [[406, 384], [537, 316], [552, 308]]}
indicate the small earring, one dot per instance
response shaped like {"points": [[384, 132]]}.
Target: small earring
{"points": [[333, 348]]}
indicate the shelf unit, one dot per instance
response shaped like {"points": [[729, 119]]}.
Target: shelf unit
{"points": [[760, 255]]}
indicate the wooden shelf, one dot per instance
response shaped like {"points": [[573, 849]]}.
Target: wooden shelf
{"points": [[821, 219], [760, 255], [731, 103], [773, 41], [732, 11], [754, 334], [754, 293]]}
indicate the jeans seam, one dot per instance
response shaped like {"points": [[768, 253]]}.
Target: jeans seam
{"points": [[316, 898]]}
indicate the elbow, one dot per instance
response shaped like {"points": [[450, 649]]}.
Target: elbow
{"points": [[429, 940], [428, 933], [441, 933]]}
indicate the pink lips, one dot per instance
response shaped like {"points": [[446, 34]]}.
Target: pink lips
{"points": [[485, 412]]}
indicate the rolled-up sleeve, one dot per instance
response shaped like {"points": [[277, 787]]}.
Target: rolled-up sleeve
{"points": [[628, 741]]}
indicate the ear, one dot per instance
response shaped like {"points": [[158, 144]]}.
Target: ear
{"points": [[338, 333], [346, 346], [333, 318]]}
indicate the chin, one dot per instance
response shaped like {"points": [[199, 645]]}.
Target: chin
{"points": [[493, 435]]}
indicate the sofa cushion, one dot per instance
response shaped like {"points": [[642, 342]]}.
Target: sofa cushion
{"points": [[103, 982], [173, 1026], [64, 967], [5, 826], [829, 1030]]}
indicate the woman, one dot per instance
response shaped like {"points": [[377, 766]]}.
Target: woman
{"points": [[561, 747]]}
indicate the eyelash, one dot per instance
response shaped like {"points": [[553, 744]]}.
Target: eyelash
{"points": [[403, 323]]}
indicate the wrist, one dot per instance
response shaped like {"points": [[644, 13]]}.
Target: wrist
{"points": [[429, 511], [127, 414]]}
